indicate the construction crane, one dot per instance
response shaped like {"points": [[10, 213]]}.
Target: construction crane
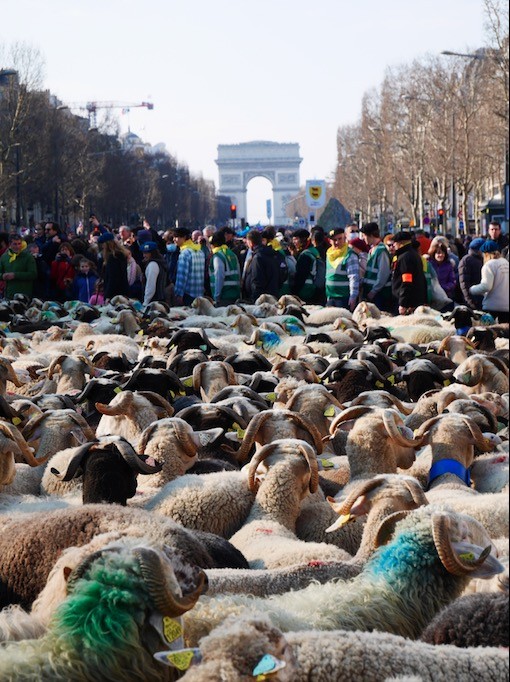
{"points": [[92, 107]]}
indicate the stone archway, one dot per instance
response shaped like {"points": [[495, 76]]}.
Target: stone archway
{"points": [[277, 162]]}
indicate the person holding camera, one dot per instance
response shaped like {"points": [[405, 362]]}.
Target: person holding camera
{"points": [[62, 273]]}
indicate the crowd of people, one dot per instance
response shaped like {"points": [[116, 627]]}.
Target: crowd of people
{"points": [[397, 272]]}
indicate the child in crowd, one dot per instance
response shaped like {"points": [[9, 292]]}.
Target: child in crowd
{"points": [[85, 281], [97, 297]]}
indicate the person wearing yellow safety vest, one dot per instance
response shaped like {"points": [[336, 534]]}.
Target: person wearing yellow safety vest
{"points": [[307, 257], [376, 285], [342, 273], [224, 272]]}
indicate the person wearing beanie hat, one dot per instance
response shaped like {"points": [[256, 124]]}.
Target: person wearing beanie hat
{"points": [[106, 237], [155, 273], [470, 273], [376, 284], [190, 277], [494, 282], [409, 286]]}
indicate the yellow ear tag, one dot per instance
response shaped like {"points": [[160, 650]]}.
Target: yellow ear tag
{"points": [[16, 421], [171, 629], [117, 389], [391, 379], [181, 659], [446, 382], [329, 411], [467, 556], [326, 463], [417, 354], [182, 392], [188, 381], [326, 381], [172, 394], [259, 344], [271, 397], [140, 333], [379, 384]]}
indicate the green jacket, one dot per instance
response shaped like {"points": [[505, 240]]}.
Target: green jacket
{"points": [[25, 272]]}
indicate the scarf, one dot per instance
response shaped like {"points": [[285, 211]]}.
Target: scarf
{"points": [[275, 244], [335, 256], [220, 249], [189, 244], [12, 256]]}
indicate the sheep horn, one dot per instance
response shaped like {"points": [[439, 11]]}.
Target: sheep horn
{"points": [[11, 374], [231, 375], [197, 375], [82, 423], [115, 410], [390, 424], [56, 362], [158, 401], [348, 414], [307, 425], [13, 433], [424, 429], [135, 462], [443, 346], [74, 463], [310, 456], [417, 492], [251, 432], [144, 438], [166, 602], [362, 488], [369, 365], [449, 558], [482, 443], [184, 437], [444, 400]]}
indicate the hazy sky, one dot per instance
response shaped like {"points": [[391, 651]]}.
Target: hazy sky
{"points": [[229, 71]]}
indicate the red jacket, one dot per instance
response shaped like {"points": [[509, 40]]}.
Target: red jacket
{"points": [[61, 272]]}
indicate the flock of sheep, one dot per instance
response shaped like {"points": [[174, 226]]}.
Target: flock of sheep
{"points": [[273, 491]]}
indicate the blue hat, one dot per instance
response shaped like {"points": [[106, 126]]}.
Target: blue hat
{"points": [[475, 244], [489, 246], [148, 247], [106, 237]]}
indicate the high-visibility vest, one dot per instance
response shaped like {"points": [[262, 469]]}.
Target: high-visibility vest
{"points": [[337, 282], [231, 290], [308, 289], [372, 269]]}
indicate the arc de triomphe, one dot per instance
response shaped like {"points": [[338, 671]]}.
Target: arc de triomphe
{"points": [[278, 162]]}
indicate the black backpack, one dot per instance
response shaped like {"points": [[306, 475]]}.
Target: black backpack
{"points": [[319, 274], [283, 268]]}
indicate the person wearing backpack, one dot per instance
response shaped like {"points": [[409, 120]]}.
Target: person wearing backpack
{"points": [[309, 280], [224, 273], [342, 273], [269, 239]]}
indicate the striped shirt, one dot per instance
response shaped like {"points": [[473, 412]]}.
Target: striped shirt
{"points": [[190, 273]]}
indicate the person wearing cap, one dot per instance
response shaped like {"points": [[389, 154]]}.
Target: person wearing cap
{"points": [[307, 257], [494, 282], [189, 280], [376, 284], [224, 273], [155, 273], [408, 283], [114, 271], [342, 273], [470, 273]]}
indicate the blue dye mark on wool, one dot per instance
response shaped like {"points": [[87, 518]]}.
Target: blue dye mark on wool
{"points": [[269, 339], [293, 329], [403, 556]]}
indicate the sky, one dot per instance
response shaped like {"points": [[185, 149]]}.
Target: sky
{"points": [[231, 71]]}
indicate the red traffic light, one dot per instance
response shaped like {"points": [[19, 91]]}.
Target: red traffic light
{"points": [[233, 211], [441, 211]]}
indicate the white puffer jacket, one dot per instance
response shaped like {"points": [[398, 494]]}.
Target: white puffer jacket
{"points": [[494, 285]]}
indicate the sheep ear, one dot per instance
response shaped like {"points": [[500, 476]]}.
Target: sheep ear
{"points": [[346, 426], [78, 436], [491, 566], [203, 438]]}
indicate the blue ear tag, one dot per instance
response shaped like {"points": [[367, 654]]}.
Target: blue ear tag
{"points": [[203, 347], [268, 665]]}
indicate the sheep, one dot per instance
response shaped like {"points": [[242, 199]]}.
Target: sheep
{"points": [[174, 444], [326, 315], [473, 620], [395, 592], [12, 445], [107, 468], [377, 441], [269, 424], [214, 502], [30, 543], [317, 404], [452, 439], [382, 399], [114, 595], [128, 414], [480, 373], [210, 377], [376, 498], [267, 538], [489, 472], [234, 650], [183, 363]]}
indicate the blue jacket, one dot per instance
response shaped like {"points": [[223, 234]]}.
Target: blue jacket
{"points": [[84, 286]]}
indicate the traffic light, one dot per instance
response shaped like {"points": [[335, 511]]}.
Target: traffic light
{"points": [[233, 211], [440, 216]]}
